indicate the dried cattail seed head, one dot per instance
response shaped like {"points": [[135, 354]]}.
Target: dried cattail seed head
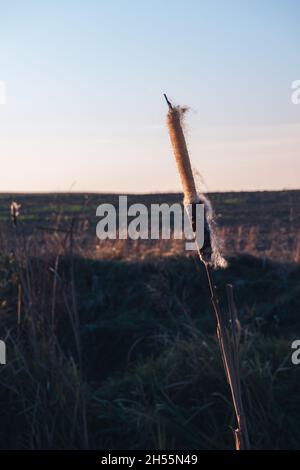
{"points": [[209, 252], [174, 122]]}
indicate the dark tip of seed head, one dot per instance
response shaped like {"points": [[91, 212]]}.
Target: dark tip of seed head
{"points": [[168, 102]]}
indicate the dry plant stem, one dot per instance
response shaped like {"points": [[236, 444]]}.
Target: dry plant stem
{"points": [[54, 293], [229, 351], [236, 367], [227, 334]]}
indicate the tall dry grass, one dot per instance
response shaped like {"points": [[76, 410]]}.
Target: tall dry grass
{"points": [[44, 380]]}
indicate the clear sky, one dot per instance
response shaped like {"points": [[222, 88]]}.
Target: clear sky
{"points": [[84, 81]]}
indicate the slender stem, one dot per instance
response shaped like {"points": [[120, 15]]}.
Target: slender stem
{"points": [[230, 362]]}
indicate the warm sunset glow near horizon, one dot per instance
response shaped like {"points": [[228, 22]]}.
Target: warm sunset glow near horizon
{"points": [[84, 109]]}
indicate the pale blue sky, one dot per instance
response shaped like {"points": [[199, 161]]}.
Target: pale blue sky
{"points": [[84, 93]]}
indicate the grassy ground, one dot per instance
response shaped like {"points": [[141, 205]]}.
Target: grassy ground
{"points": [[119, 351]]}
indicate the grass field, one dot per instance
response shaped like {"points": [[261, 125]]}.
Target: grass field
{"points": [[112, 344]]}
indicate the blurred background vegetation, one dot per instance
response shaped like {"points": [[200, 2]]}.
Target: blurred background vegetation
{"points": [[112, 344]]}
